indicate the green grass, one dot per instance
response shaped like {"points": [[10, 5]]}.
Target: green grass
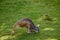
{"points": [[13, 10]]}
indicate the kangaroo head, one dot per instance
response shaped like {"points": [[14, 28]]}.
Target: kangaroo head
{"points": [[37, 29]]}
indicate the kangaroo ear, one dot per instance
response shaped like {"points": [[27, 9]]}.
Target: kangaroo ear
{"points": [[38, 25]]}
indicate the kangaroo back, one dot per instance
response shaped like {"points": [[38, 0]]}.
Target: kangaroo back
{"points": [[26, 21]]}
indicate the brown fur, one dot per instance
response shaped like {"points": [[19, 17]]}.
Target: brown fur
{"points": [[24, 22]]}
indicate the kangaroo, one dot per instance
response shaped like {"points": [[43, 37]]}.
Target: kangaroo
{"points": [[27, 23]]}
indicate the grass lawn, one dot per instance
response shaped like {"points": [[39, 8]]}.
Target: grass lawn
{"points": [[13, 10]]}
